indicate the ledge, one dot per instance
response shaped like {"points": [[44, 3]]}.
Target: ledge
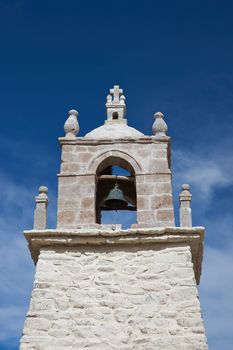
{"points": [[87, 141], [55, 238], [168, 172]]}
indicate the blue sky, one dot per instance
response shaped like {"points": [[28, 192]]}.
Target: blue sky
{"points": [[170, 56]]}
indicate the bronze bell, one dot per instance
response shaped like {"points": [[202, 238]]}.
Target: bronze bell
{"points": [[115, 199]]}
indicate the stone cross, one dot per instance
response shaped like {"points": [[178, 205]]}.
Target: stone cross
{"points": [[116, 92]]}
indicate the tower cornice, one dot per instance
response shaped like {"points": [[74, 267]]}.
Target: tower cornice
{"points": [[114, 236], [85, 141]]}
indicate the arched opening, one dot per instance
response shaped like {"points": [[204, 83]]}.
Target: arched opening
{"points": [[116, 192], [115, 115]]}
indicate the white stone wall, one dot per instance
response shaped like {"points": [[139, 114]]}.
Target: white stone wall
{"points": [[139, 297]]}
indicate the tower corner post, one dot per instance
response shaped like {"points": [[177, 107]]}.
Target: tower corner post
{"points": [[185, 209], [40, 213]]}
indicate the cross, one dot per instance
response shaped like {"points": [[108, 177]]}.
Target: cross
{"points": [[116, 92]]}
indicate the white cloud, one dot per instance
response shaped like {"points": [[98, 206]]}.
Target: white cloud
{"points": [[208, 172], [204, 171], [216, 296]]}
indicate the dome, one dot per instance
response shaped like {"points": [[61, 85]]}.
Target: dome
{"points": [[115, 131]]}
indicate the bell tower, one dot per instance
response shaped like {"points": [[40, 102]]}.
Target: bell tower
{"points": [[99, 286]]}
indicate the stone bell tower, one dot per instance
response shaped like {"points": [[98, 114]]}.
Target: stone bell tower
{"points": [[98, 286]]}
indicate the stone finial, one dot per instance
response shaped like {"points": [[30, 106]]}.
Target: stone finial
{"points": [[159, 127], [122, 99], [185, 210], [109, 99], [40, 213], [71, 125], [115, 105]]}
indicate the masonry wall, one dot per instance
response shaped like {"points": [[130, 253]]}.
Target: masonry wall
{"points": [[154, 200], [139, 297], [77, 182]]}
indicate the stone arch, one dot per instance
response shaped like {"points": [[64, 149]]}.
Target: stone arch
{"points": [[114, 157], [102, 165]]}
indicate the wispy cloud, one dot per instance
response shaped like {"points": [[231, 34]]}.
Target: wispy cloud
{"points": [[208, 172], [216, 296], [205, 171], [16, 266]]}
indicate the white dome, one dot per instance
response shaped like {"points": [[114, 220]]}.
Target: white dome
{"points": [[114, 131]]}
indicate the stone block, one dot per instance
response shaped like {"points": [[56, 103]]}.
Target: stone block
{"points": [[69, 148], [71, 168], [66, 217], [86, 216], [69, 157], [162, 201], [144, 216], [158, 166], [84, 157], [163, 188], [87, 202], [165, 215], [144, 189], [143, 202]]}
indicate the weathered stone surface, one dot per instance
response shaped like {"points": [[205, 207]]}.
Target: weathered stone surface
{"points": [[147, 158], [160, 237], [107, 298]]}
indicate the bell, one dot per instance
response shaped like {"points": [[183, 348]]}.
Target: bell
{"points": [[115, 199]]}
